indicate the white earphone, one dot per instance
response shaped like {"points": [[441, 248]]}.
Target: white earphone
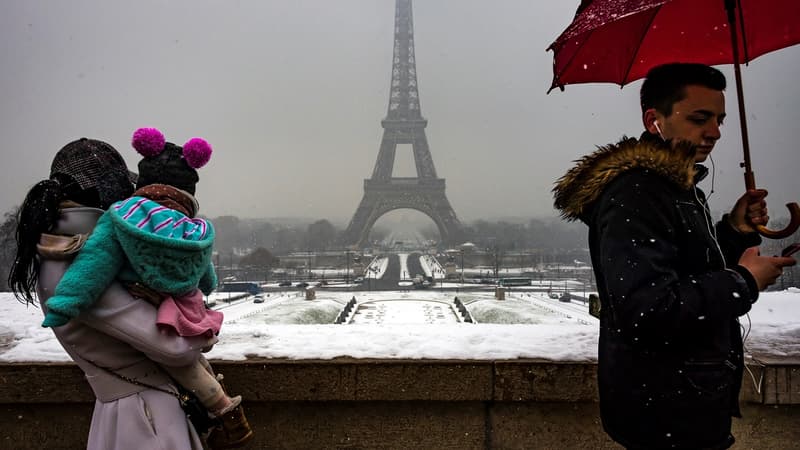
{"points": [[655, 124]]}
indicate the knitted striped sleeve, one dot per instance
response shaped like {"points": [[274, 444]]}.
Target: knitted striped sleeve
{"points": [[95, 267], [209, 281]]}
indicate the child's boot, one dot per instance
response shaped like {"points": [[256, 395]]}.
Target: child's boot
{"points": [[233, 429]]}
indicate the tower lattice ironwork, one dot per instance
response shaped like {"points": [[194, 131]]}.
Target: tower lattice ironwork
{"points": [[403, 124]]}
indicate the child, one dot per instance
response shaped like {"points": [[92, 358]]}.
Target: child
{"points": [[153, 243]]}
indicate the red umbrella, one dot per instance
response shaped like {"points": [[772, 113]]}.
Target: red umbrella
{"points": [[618, 41]]}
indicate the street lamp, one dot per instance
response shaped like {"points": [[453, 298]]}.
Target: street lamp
{"points": [[347, 267], [462, 265]]}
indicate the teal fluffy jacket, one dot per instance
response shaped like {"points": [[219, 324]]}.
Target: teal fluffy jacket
{"points": [[136, 240]]}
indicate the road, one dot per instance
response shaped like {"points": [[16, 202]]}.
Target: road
{"points": [[391, 277]]}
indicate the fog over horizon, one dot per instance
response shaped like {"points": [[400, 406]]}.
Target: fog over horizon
{"points": [[291, 94]]}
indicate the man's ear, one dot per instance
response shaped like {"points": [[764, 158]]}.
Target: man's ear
{"points": [[650, 119]]}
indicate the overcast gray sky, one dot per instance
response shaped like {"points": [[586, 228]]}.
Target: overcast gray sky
{"points": [[291, 93]]}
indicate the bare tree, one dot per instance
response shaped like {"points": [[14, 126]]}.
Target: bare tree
{"points": [[260, 257], [8, 245]]}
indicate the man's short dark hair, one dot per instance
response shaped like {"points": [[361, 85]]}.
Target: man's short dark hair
{"points": [[666, 84]]}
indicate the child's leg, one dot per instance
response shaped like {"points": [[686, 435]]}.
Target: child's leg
{"points": [[206, 365], [233, 430], [198, 379]]}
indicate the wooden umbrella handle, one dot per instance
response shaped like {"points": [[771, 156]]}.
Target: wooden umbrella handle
{"points": [[794, 213], [794, 223]]}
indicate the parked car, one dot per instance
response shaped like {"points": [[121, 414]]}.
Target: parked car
{"points": [[358, 280], [301, 284], [285, 283], [258, 299], [553, 295]]}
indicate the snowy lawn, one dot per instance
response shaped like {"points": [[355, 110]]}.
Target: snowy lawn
{"points": [[541, 330]]}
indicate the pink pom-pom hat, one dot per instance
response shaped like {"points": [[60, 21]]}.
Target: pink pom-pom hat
{"points": [[166, 163]]}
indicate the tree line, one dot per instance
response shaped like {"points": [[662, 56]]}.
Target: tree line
{"points": [[259, 242]]}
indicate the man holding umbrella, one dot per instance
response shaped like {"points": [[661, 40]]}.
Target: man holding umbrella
{"points": [[672, 284]]}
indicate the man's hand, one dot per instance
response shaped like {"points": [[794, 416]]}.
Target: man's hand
{"points": [[750, 210], [765, 269]]}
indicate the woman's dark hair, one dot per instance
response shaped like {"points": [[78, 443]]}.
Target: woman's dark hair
{"points": [[38, 214], [87, 172]]}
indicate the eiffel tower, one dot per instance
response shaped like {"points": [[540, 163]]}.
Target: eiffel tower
{"points": [[403, 124]]}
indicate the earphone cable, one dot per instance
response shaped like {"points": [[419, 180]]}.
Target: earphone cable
{"points": [[711, 230], [713, 177]]}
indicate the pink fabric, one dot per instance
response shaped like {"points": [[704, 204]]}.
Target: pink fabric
{"points": [[188, 316]]}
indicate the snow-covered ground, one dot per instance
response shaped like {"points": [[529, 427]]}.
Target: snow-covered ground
{"points": [[377, 267], [400, 311], [525, 325]]}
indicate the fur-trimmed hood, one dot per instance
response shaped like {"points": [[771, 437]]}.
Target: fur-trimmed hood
{"points": [[584, 183]]}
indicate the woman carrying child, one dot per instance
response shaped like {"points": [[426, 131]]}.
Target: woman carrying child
{"points": [[86, 177], [155, 245]]}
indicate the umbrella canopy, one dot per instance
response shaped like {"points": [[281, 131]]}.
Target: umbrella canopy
{"points": [[618, 41]]}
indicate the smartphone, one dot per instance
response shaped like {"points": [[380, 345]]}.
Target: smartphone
{"points": [[791, 249]]}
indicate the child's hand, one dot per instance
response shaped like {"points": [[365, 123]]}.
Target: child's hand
{"points": [[211, 341], [143, 292]]}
